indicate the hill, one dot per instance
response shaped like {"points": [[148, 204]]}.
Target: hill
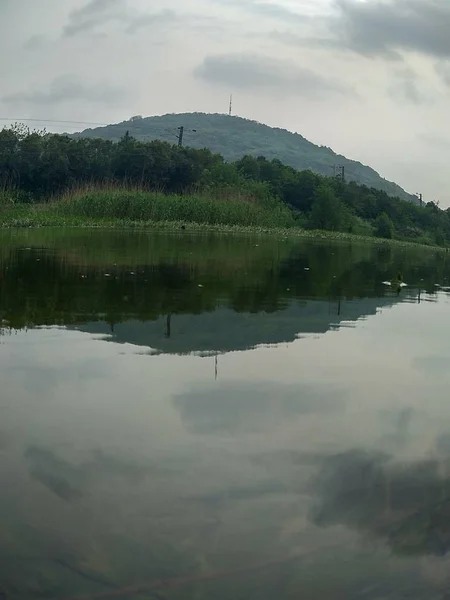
{"points": [[234, 137]]}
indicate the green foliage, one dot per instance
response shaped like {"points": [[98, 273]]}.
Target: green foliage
{"points": [[6, 200], [384, 228], [199, 186], [234, 137], [138, 205], [328, 212]]}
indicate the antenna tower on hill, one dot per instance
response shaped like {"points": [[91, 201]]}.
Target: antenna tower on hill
{"points": [[231, 105]]}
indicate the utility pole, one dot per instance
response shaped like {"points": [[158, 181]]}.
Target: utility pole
{"points": [[341, 171], [421, 199], [180, 136], [231, 105]]}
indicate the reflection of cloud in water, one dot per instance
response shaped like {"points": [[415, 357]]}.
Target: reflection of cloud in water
{"points": [[57, 475], [42, 380], [406, 504], [443, 444], [5, 440], [399, 424], [432, 364], [242, 406], [69, 481]]}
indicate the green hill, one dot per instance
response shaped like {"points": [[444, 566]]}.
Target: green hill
{"points": [[233, 137]]}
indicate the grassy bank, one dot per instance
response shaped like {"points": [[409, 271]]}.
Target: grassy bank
{"points": [[138, 205], [126, 208]]}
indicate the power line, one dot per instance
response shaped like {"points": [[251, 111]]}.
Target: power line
{"points": [[18, 120]]}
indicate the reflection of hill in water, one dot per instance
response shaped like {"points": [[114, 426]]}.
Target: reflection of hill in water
{"points": [[205, 294], [224, 330]]}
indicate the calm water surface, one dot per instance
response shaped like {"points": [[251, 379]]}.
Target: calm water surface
{"points": [[242, 418]]}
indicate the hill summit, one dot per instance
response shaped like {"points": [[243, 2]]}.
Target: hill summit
{"points": [[234, 137]]}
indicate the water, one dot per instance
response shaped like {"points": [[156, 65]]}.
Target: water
{"points": [[240, 417]]}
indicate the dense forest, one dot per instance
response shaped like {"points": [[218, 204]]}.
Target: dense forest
{"points": [[36, 167], [234, 137]]}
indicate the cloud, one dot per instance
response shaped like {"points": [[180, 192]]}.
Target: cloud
{"points": [[274, 10], [160, 18], [387, 27], [406, 86], [299, 40], [436, 141], [242, 71], [35, 42], [66, 88], [97, 13], [442, 69], [409, 90]]}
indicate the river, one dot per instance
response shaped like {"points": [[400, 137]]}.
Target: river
{"points": [[218, 417]]}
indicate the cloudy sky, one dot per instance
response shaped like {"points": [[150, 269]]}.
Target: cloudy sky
{"points": [[369, 78]]}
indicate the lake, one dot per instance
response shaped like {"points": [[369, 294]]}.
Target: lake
{"points": [[207, 417]]}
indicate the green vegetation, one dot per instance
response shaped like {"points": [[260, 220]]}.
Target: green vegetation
{"points": [[234, 137], [384, 227], [57, 180], [138, 205]]}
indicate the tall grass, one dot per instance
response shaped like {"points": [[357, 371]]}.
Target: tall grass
{"points": [[6, 199], [140, 205]]}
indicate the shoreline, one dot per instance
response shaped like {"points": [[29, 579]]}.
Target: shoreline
{"points": [[38, 220]]}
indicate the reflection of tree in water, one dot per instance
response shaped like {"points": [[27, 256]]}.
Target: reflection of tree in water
{"points": [[81, 283], [185, 303], [406, 504]]}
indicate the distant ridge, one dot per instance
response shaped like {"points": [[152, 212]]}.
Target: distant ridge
{"points": [[233, 137]]}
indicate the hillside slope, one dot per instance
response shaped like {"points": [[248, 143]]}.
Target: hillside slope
{"points": [[233, 137]]}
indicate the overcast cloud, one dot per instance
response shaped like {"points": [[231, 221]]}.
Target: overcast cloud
{"points": [[256, 72], [388, 27], [369, 78], [67, 88]]}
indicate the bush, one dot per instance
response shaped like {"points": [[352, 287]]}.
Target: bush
{"points": [[328, 212], [384, 228]]}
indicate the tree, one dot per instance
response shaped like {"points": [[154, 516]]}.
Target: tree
{"points": [[328, 212], [384, 228], [36, 165]]}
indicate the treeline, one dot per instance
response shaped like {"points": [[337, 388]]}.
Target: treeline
{"points": [[36, 166]]}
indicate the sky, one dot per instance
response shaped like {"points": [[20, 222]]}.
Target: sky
{"points": [[368, 78]]}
